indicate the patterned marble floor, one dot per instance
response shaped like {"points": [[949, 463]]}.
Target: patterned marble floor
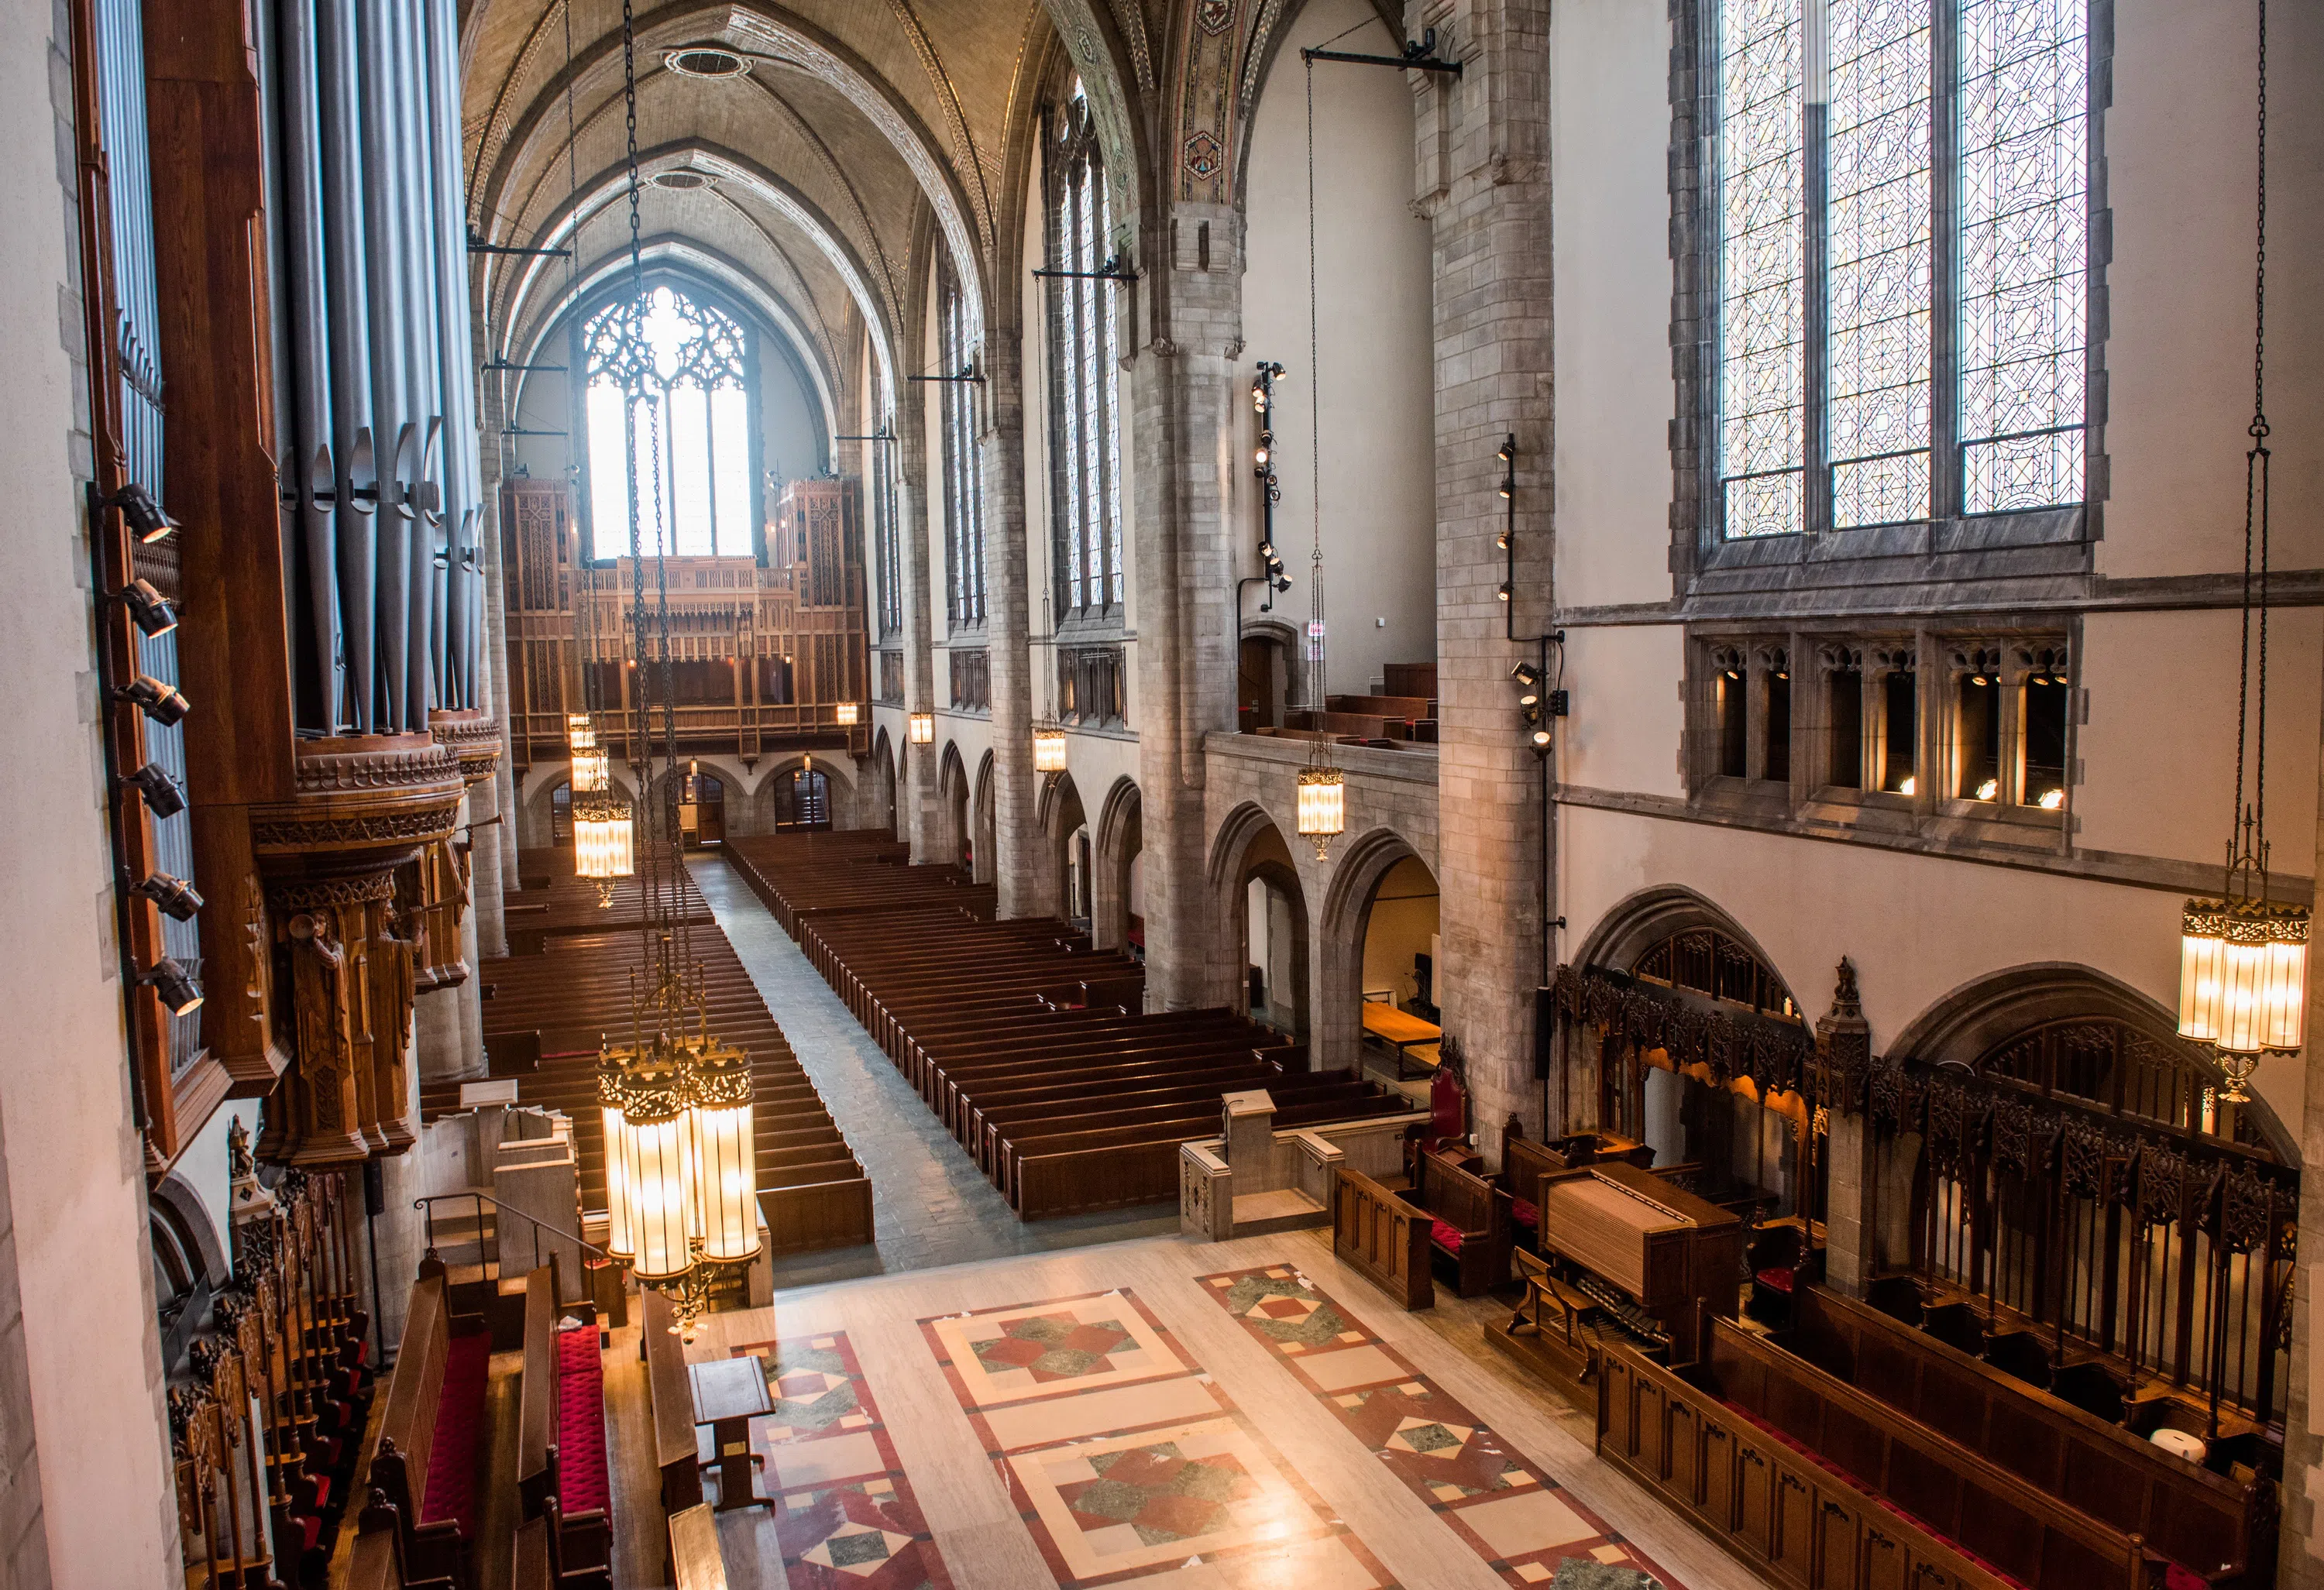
{"points": [[1096, 1417], [930, 1205]]}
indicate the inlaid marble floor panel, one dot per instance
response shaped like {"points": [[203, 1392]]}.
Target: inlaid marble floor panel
{"points": [[1095, 1417], [930, 1205]]}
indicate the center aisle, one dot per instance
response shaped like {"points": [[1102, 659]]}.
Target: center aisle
{"points": [[930, 1205]]}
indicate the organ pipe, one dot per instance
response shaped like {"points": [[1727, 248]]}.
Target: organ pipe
{"points": [[308, 483], [423, 373], [455, 352], [348, 293], [391, 413]]}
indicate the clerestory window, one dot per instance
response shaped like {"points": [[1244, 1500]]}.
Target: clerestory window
{"points": [[964, 493], [1084, 373], [1900, 221], [668, 387]]}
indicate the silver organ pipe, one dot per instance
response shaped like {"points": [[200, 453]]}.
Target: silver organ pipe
{"points": [[309, 487], [456, 355], [422, 372], [349, 295], [392, 409]]}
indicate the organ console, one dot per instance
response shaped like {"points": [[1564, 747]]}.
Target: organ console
{"points": [[1655, 1257]]}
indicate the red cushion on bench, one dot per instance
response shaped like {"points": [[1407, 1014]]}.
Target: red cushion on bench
{"points": [[459, 1420], [582, 1485], [1445, 1237], [311, 1530], [1524, 1213], [1776, 1279]]}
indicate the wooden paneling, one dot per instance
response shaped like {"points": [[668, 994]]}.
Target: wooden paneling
{"points": [[1383, 1238]]}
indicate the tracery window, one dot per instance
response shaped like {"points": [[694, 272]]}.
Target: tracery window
{"points": [[1900, 259], [1084, 374], [675, 371], [885, 535], [963, 499]]}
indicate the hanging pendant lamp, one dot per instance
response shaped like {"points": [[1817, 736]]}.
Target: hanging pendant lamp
{"points": [[593, 770], [605, 840], [612, 1079], [2243, 958], [1322, 810]]}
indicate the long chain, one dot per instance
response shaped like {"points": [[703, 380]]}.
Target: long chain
{"points": [[2255, 522], [1317, 643], [630, 98]]}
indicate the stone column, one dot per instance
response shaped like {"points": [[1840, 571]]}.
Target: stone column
{"points": [[1182, 388], [2301, 1550], [1015, 788], [488, 905], [915, 775], [1851, 1210], [1483, 182]]}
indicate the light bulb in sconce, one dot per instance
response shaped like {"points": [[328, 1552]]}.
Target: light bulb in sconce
{"points": [[1910, 784], [2052, 799], [1989, 789]]}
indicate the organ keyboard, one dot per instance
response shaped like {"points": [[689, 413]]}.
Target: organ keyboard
{"points": [[1665, 1256]]}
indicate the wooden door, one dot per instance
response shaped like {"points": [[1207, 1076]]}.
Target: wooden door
{"points": [[1255, 690]]}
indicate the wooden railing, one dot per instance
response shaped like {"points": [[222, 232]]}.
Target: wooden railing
{"points": [[1383, 1238]]}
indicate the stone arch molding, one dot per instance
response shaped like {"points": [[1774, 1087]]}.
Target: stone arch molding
{"points": [[1969, 1022], [1637, 920], [740, 173], [778, 39]]}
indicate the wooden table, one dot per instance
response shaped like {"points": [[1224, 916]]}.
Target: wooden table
{"points": [[1398, 1029], [728, 1393], [695, 1561]]}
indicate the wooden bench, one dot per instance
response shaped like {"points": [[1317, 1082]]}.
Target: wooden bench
{"points": [[1383, 1238], [695, 1561], [2209, 1524], [671, 1396], [1693, 1439], [1469, 1221], [431, 1434], [534, 1568], [561, 1474]]}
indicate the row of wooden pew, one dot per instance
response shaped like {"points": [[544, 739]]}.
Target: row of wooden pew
{"points": [[1031, 1046], [552, 1009], [426, 1470]]}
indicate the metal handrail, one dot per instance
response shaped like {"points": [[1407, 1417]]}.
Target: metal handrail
{"points": [[425, 1205]]}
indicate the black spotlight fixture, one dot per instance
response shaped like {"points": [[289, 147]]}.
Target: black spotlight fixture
{"points": [[159, 702], [1528, 678], [148, 520], [164, 796], [181, 994], [177, 898], [149, 609]]}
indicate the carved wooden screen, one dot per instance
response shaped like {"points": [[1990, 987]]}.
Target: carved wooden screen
{"points": [[2086, 1177]]}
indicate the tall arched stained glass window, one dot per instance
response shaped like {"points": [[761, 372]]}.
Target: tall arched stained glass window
{"points": [[1084, 374], [1899, 215], [963, 487], [677, 372]]}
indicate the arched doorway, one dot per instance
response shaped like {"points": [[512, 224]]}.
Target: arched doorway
{"points": [[1064, 830], [1399, 962], [1116, 920], [981, 811], [803, 800], [959, 845], [1266, 908], [883, 773], [560, 813], [698, 806]]}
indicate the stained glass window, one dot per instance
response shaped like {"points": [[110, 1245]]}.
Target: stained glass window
{"points": [[676, 372], [1877, 220], [1085, 375], [1762, 265], [2025, 243], [1829, 380], [964, 498]]}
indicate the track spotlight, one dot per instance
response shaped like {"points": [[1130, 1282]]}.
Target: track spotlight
{"points": [[149, 609], [1541, 739], [1509, 451], [159, 702], [1526, 674], [164, 796], [147, 519], [181, 994], [1508, 489], [177, 898], [1504, 592]]}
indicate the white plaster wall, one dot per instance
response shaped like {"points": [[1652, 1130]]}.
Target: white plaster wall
{"points": [[76, 1188], [1627, 712], [1609, 135], [2159, 750], [1916, 926], [2181, 159], [1378, 461]]}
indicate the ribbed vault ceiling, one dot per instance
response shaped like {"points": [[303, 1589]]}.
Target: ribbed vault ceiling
{"points": [[853, 114]]}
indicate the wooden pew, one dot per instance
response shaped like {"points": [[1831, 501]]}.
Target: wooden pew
{"points": [[536, 1420], [695, 1561], [581, 1506], [2207, 1522], [1797, 1518], [1383, 1238], [672, 1395], [533, 1568], [436, 1395], [1469, 1221]]}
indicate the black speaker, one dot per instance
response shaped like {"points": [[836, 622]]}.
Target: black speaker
{"points": [[374, 1188], [1544, 1024]]}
